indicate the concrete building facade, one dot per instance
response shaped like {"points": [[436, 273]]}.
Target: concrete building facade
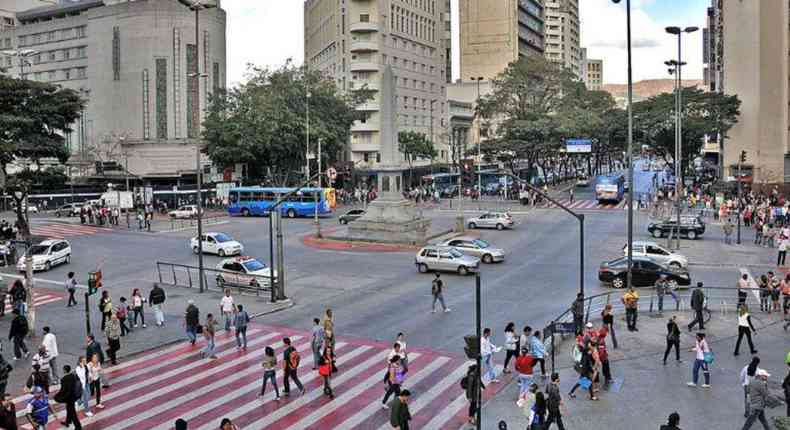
{"points": [[755, 65], [563, 34], [713, 47], [495, 33], [399, 49], [132, 61], [593, 74]]}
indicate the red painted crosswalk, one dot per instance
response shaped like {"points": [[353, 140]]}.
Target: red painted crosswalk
{"points": [[39, 298], [63, 231], [152, 390], [589, 205]]}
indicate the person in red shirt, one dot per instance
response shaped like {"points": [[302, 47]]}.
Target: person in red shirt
{"points": [[603, 355], [525, 362]]}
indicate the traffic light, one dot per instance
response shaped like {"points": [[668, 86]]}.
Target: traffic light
{"points": [[472, 348], [743, 156], [94, 282]]}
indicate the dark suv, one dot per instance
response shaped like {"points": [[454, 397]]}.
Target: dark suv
{"points": [[690, 227]]}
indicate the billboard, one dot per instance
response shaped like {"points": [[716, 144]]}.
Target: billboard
{"points": [[578, 146]]}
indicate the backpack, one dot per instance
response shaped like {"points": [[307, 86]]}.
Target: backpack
{"points": [[464, 383], [77, 394], [293, 359], [122, 312], [436, 287]]}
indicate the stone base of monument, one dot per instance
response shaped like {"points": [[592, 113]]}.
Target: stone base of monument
{"points": [[391, 221]]}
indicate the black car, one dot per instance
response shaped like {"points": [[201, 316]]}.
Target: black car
{"points": [[644, 273], [690, 227], [351, 215]]}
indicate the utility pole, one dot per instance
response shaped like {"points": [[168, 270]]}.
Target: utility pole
{"points": [[741, 160], [479, 130], [315, 194]]}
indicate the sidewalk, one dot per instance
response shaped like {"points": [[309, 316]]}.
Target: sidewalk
{"points": [[645, 392]]}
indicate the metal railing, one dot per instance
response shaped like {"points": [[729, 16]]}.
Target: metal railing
{"points": [[182, 275], [182, 223]]}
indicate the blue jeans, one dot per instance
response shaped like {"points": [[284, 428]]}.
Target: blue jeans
{"points": [[191, 334], [241, 334], [488, 367], [209, 349], [523, 382], [228, 319], [700, 364], [86, 396]]}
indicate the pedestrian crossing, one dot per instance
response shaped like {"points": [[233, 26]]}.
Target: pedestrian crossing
{"points": [[152, 390], [63, 231], [589, 205], [39, 298]]}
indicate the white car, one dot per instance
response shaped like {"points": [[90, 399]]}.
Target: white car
{"points": [[187, 211], [46, 254], [497, 220], [217, 243], [477, 248], [243, 272], [659, 254]]}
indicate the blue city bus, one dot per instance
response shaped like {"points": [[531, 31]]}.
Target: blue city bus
{"points": [[610, 188], [257, 201]]}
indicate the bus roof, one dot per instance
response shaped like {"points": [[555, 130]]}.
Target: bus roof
{"points": [[612, 177], [278, 190]]}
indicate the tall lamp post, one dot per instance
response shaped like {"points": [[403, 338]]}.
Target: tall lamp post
{"points": [[630, 154], [678, 124], [479, 158]]}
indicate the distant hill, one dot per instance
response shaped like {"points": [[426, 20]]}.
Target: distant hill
{"points": [[647, 88]]}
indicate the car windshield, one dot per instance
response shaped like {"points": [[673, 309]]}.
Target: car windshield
{"points": [[618, 262], [222, 237], [253, 265], [38, 250], [456, 253], [481, 243]]}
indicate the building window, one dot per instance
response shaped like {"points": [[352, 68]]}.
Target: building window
{"points": [[51, 75], [177, 80], [37, 59], [192, 96], [22, 40], [81, 52], [50, 36], [66, 74], [161, 98], [146, 112], [116, 53], [81, 72], [51, 55], [7, 42], [364, 18], [215, 76], [67, 54], [81, 31]]}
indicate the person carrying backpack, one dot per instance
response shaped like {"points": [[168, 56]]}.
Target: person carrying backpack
{"points": [[38, 409], [70, 392], [697, 303], [471, 384], [291, 360], [19, 296], [437, 287], [395, 380], [17, 333]]}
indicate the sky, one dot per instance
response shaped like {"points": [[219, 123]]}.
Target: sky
{"points": [[268, 32]]}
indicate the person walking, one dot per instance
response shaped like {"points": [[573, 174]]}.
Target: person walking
{"points": [[113, 333], [122, 312], [8, 413], [209, 332], [743, 285], [745, 327], [38, 409], [698, 304], [758, 397], [95, 375], [240, 320], [672, 422], [776, 293], [71, 288], [106, 308], [673, 339], [4, 295], [83, 374], [291, 360], [329, 321], [17, 333], [437, 288], [589, 365], [577, 309], [269, 371], [487, 350], [786, 384], [399, 412], [782, 254], [18, 296], [50, 343], [156, 299], [191, 321], [631, 301], [511, 345], [138, 303], [728, 228], [395, 378], [226, 308], [70, 392], [702, 361], [607, 316], [93, 347], [325, 370], [747, 374], [554, 402], [524, 364], [5, 372], [538, 350], [472, 384], [765, 293], [316, 341], [661, 287]]}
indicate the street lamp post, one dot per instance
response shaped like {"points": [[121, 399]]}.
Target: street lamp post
{"points": [[479, 129], [307, 134], [630, 155], [678, 124], [673, 71]]}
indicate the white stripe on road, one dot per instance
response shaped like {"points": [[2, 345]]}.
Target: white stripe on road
{"points": [[371, 408], [438, 421]]}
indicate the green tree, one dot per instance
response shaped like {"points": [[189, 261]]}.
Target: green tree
{"points": [[34, 117], [414, 145], [263, 122]]}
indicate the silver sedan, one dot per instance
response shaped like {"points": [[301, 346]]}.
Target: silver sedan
{"points": [[477, 248], [497, 220], [445, 259]]}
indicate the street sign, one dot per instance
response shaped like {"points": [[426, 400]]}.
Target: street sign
{"points": [[331, 173], [578, 146]]}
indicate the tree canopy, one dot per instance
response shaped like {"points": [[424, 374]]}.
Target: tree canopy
{"points": [[415, 145]]}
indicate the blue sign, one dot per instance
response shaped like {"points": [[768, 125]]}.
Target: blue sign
{"points": [[578, 146]]}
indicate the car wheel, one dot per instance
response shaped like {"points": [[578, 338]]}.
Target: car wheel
{"points": [[221, 253], [343, 221], [692, 234], [657, 233], [675, 264], [245, 212], [672, 284], [57, 214], [488, 259], [47, 266], [618, 283], [291, 213], [463, 271], [220, 281], [254, 284], [472, 225], [500, 226], [67, 260], [422, 268]]}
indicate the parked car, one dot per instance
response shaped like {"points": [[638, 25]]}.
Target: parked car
{"points": [[583, 181], [69, 209], [497, 220], [690, 227], [352, 215], [46, 254], [659, 254], [477, 248], [187, 211], [644, 273], [242, 272], [449, 191], [217, 243], [443, 258]]}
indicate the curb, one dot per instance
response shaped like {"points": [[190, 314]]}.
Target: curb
{"points": [[353, 246]]}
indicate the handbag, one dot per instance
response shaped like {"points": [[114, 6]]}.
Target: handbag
{"points": [[199, 329], [324, 369], [585, 382], [708, 357]]}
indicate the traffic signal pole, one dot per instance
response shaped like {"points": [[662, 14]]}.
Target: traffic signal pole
{"points": [[479, 358], [87, 315]]}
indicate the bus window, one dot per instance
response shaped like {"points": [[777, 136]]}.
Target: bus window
{"points": [[269, 196], [233, 196], [257, 195], [245, 196]]}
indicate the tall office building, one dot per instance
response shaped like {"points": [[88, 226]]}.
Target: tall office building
{"points": [[563, 34], [713, 47], [9, 8], [756, 69], [399, 49], [495, 33], [132, 61], [592, 69]]}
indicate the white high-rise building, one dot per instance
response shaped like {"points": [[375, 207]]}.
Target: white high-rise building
{"points": [[563, 34]]}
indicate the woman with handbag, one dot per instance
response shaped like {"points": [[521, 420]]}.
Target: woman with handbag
{"points": [[396, 378], [269, 371], [586, 375], [325, 370], [745, 328], [703, 359]]}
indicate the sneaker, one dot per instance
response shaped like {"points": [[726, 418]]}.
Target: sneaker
{"points": [[144, 326], [705, 385], [100, 406], [494, 380], [88, 413], [383, 406], [433, 311], [447, 309], [134, 326], [691, 384]]}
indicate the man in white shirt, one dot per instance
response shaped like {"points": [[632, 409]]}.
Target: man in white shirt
{"points": [[227, 308], [487, 350], [50, 342]]}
